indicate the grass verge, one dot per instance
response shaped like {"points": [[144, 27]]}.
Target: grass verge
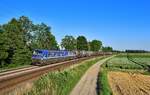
{"points": [[103, 82], [60, 83]]}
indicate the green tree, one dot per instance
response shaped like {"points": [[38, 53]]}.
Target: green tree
{"points": [[37, 36], [69, 43], [43, 39], [107, 49], [27, 27], [95, 45], [16, 43], [22, 56], [82, 43], [19, 37], [3, 48]]}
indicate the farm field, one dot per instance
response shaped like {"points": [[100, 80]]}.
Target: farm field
{"points": [[129, 62], [123, 83], [126, 74]]}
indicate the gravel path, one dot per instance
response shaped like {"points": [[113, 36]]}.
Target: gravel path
{"points": [[88, 83]]}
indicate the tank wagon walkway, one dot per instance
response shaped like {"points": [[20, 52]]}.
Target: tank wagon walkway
{"points": [[88, 83]]}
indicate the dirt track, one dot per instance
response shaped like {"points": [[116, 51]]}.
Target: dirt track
{"points": [[88, 83], [129, 84]]}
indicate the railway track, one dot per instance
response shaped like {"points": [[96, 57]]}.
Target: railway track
{"points": [[12, 78], [17, 70]]}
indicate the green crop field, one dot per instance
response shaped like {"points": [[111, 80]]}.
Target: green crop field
{"points": [[129, 61], [141, 58]]}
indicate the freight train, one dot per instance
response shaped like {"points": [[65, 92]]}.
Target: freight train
{"points": [[44, 57]]}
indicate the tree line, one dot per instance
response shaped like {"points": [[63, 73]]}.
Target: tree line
{"points": [[80, 43], [136, 51], [19, 37]]}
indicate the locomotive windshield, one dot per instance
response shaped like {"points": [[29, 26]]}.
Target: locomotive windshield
{"points": [[39, 54]]}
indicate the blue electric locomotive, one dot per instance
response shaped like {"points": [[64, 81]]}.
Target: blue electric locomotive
{"points": [[43, 57]]}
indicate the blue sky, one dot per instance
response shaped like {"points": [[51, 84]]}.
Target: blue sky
{"points": [[122, 24]]}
